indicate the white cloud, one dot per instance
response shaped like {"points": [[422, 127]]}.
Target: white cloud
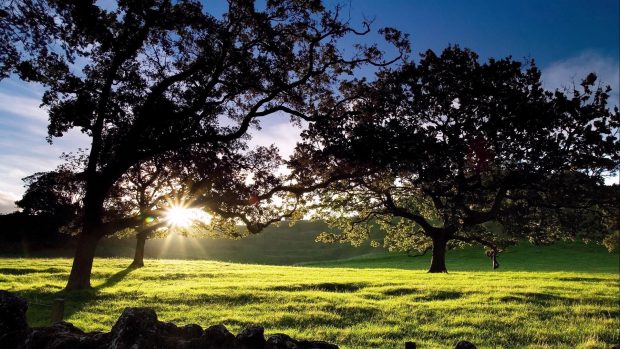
{"points": [[7, 202], [565, 72], [279, 131], [24, 150], [26, 107]]}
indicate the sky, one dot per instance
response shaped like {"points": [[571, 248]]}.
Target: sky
{"points": [[567, 38]]}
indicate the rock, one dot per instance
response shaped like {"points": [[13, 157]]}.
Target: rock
{"points": [[464, 345], [316, 345], [168, 329], [13, 325], [136, 327], [177, 343], [186, 337], [97, 340], [61, 335], [217, 337], [191, 331], [410, 345], [252, 337], [172, 332], [281, 341]]}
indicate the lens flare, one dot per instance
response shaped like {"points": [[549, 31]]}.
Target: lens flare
{"points": [[179, 216]]}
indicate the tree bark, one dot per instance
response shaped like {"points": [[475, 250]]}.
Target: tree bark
{"points": [[138, 258], [438, 261], [83, 261]]}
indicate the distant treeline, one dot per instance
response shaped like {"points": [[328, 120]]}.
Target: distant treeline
{"points": [[25, 235], [21, 233]]}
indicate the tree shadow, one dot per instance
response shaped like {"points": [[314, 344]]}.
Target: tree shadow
{"points": [[115, 279], [40, 299], [75, 301]]}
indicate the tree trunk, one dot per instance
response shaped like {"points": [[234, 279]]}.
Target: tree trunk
{"points": [[89, 238], [438, 262], [138, 258], [83, 261]]}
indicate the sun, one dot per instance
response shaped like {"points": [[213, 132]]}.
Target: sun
{"points": [[183, 217]]}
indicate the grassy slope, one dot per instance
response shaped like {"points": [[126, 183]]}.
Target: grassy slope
{"points": [[383, 301], [565, 256]]}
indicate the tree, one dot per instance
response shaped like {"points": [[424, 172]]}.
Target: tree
{"points": [[54, 194], [142, 78], [453, 151], [50, 203], [144, 190], [214, 189]]}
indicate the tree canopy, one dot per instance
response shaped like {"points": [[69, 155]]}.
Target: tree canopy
{"points": [[143, 78], [454, 150]]}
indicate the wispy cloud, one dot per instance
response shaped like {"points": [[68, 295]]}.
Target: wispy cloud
{"points": [[564, 73], [21, 106], [23, 148]]}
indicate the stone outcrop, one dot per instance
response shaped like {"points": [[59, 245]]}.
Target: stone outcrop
{"points": [[465, 345], [13, 325], [136, 328]]}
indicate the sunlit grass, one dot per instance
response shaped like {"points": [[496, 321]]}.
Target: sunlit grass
{"points": [[355, 308]]}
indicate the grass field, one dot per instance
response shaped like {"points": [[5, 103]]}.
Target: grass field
{"points": [[373, 301]]}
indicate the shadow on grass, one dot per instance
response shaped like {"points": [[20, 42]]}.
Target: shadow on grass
{"points": [[539, 299], [115, 279], [342, 287], [41, 299], [24, 271]]}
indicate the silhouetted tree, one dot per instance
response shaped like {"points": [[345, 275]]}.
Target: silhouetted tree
{"points": [[144, 191], [55, 194], [49, 205], [454, 151], [145, 77], [225, 184]]}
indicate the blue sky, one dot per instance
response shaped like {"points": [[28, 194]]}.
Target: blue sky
{"points": [[567, 39]]}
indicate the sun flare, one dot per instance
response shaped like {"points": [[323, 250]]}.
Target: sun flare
{"points": [[184, 217]]}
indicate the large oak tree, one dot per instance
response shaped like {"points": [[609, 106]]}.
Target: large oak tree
{"points": [[145, 77], [451, 150]]}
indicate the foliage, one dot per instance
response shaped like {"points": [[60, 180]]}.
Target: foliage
{"points": [[53, 197], [612, 241], [55, 193], [437, 148]]}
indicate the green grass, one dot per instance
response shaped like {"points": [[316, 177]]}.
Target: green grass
{"points": [[373, 301]]}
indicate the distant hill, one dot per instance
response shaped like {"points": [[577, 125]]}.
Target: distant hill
{"points": [[279, 245]]}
